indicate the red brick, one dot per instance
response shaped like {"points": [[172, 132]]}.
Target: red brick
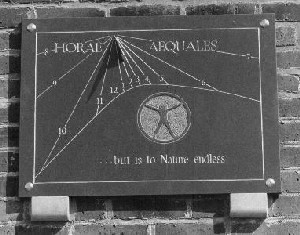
{"points": [[287, 82], [288, 58], [285, 205], [10, 39], [89, 208], [10, 64], [9, 88], [211, 9], [269, 226], [9, 112], [10, 76], [116, 229], [9, 161], [43, 229], [149, 207], [38, 229], [56, 12], [145, 10], [9, 186], [11, 17], [8, 229], [290, 181], [298, 32], [246, 8], [289, 107], [41, 1], [11, 210], [286, 36], [289, 130], [9, 136], [209, 206], [203, 226], [283, 11], [290, 156]]}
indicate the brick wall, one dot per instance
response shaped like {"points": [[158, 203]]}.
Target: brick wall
{"points": [[196, 214]]}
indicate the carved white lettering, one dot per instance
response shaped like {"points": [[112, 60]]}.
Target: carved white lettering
{"points": [[173, 159], [209, 159], [78, 47], [177, 46], [121, 160], [153, 47]]}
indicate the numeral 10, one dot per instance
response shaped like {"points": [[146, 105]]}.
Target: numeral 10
{"points": [[62, 130]]}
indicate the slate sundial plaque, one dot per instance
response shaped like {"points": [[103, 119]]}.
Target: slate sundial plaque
{"points": [[149, 105]]}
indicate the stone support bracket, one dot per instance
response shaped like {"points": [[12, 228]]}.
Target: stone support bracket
{"points": [[253, 205], [52, 208]]}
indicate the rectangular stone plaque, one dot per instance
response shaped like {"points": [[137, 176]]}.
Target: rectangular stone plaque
{"points": [[149, 105]]}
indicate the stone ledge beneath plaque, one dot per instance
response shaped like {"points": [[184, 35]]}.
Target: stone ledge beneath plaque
{"points": [[249, 205], [50, 208]]}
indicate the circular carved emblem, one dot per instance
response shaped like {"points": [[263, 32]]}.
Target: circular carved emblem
{"points": [[164, 118]]}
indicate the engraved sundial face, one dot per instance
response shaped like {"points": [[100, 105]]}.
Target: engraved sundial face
{"points": [[164, 118]]}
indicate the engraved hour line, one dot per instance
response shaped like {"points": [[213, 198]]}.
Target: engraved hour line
{"points": [[78, 133], [105, 41], [172, 66], [118, 59], [127, 62], [137, 77], [104, 77], [45, 52], [217, 90], [55, 81], [133, 60], [73, 111], [48, 157], [141, 39], [125, 56], [156, 73], [86, 85], [112, 100], [129, 77], [218, 51], [248, 56], [147, 78], [91, 40], [61, 77], [206, 89]]}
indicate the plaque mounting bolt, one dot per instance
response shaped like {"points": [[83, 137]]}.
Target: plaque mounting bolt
{"points": [[264, 23], [31, 27], [28, 186], [270, 182]]}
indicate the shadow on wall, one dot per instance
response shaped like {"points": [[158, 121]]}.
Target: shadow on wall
{"points": [[41, 228], [211, 212]]}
